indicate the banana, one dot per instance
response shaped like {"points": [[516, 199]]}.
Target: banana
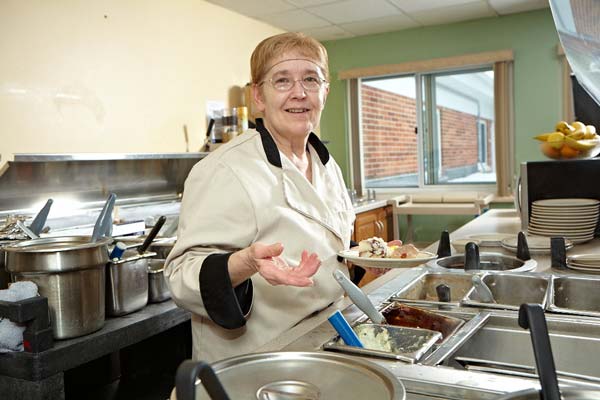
{"points": [[578, 125], [543, 137], [556, 139], [578, 134], [583, 144], [564, 127]]}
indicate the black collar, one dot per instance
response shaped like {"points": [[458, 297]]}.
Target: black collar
{"points": [[272, 151]]}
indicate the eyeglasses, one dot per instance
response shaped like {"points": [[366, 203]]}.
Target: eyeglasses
{"points": [[310, 83]]}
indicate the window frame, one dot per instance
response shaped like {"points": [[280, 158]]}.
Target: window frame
{"points": [[503, 109]]}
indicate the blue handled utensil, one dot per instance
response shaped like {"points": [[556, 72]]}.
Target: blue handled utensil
{"points": [[344, 329]]}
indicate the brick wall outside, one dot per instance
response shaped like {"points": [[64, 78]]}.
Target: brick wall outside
{"points": [[389, 140], [390, 143]]}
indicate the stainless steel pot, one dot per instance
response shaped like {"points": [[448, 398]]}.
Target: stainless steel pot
{"points": [[127, 283], [158, 290], [289, 375], [69, 271]]}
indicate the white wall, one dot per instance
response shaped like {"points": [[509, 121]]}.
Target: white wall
{"points": [[117, 75]]}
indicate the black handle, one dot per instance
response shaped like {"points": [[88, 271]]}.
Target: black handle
{"points": [[210, 127], [522, 247], [443, 292], [532, 316], [558, 253], [472, 261], [185, 381], [40, 219], [152, 235], [444, 245]]}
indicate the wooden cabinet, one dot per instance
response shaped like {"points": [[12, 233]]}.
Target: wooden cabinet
{"points": [[377, 222]]}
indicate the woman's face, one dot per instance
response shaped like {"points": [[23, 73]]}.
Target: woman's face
{"points": [[296, 112]]}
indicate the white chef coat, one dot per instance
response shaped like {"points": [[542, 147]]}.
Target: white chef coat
{"points": [[247, 192]]}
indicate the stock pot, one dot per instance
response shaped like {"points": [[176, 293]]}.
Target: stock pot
{"points": [[70, 272]]}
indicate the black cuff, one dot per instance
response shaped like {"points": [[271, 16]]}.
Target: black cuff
{"points": [[225, 305]]}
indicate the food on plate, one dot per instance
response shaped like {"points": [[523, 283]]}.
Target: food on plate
{"points": [[403, 251], [575, 140], [376, 247]]}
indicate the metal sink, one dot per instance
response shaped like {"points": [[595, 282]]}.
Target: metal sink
{"points": [[511, 290], [423, 289], [502, 347], [575, 295]]}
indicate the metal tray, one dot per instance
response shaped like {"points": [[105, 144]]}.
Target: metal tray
{"points": [[398, 343], [575, 295], [402, 315], [511, 290]]}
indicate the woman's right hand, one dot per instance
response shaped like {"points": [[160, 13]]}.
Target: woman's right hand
{"points": [[267, 261]]}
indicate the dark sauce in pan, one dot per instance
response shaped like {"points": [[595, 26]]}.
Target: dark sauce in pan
{"points": [[413, 317]]}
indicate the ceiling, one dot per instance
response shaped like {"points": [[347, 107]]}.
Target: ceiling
{"points": [[338, 19]]}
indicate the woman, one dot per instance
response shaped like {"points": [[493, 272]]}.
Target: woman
{"points": [[253, 210]]}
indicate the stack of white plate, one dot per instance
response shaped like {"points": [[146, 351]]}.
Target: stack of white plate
{"points": [[584, 262], [574, 219]]}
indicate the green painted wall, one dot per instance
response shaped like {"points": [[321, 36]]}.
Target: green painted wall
{"points": [[531, 35]]}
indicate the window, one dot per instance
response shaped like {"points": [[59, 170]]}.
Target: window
{"points": [[449, 116], [442, 124]]}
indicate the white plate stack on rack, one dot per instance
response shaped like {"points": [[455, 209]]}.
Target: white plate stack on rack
{"points": [[589, 263], [575, 219]]}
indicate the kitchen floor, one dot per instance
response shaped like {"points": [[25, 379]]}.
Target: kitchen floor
{"points": [[145, 370]]}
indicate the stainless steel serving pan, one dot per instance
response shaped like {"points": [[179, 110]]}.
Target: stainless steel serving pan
{"points": [[385, 341], [511, 290], [575, 295]]}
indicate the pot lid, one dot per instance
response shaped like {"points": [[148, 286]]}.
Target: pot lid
{"points": [[56, 244], [310, 376]]}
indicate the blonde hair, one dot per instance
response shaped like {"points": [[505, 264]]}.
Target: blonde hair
{"points": [[274, 46]]}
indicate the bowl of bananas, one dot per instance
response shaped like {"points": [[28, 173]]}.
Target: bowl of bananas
{"points": [[570, 141]]}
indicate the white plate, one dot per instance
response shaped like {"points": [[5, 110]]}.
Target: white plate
{"points": [[579, 224], [583, 213], [352, 256], [563, 229], [567, 202], [585, 259], [535, 243], [489, 239], [588, 270], [565, 219]]}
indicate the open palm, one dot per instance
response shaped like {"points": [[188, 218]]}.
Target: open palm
{"points": [[271, 266]]}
